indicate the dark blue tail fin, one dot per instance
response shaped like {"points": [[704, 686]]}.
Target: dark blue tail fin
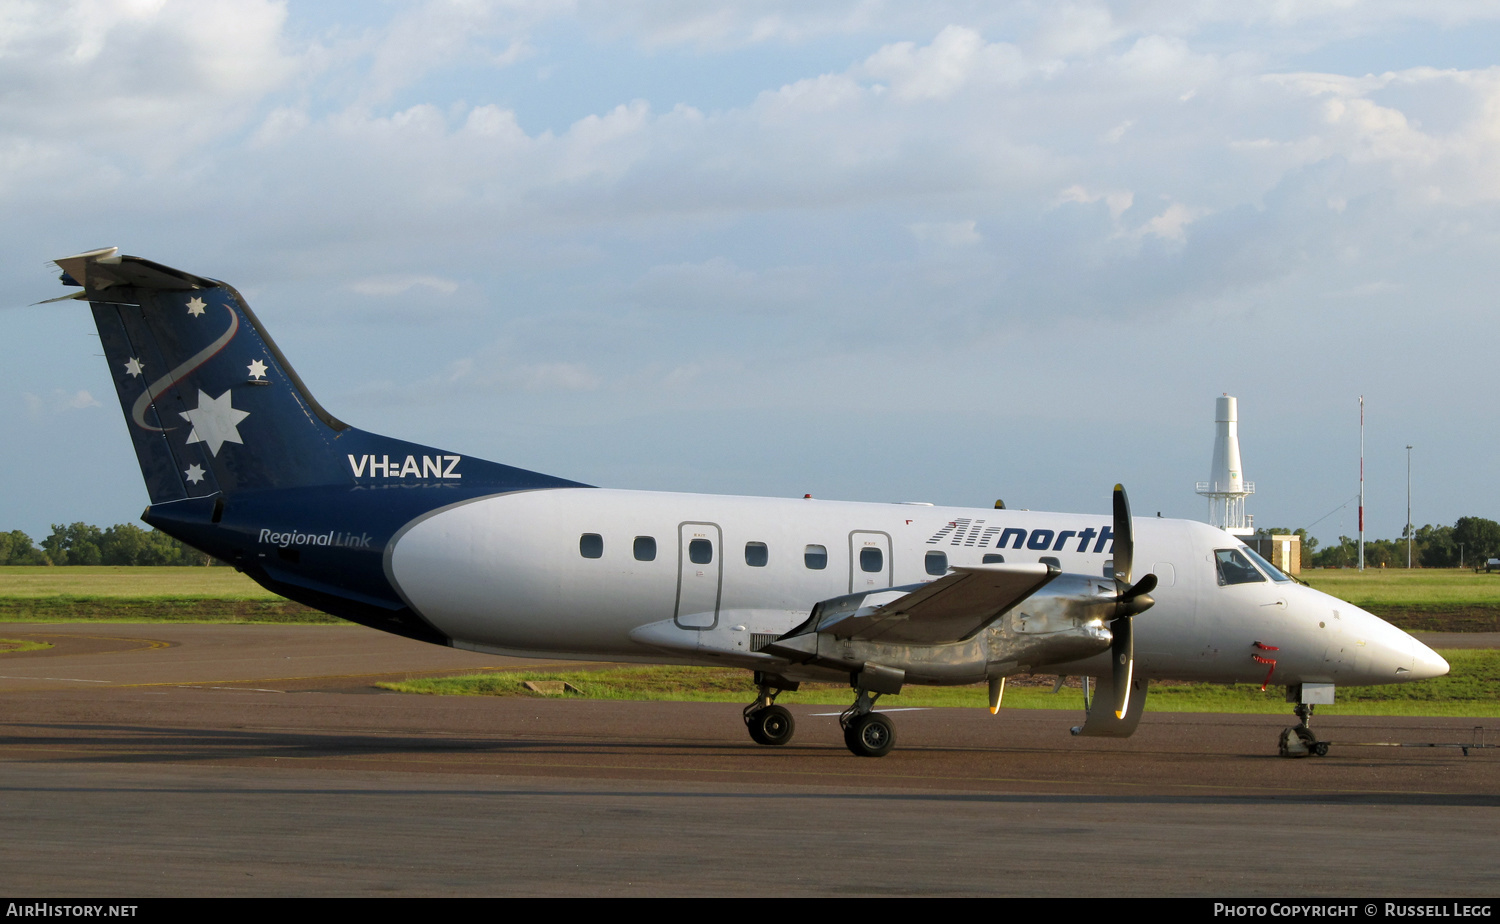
{"points": [[215, 409], [241, 462], [212, 405]]}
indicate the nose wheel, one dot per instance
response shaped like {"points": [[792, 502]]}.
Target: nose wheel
{"points": [[1299, 740]]}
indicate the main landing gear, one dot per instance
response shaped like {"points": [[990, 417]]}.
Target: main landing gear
{"points": [[769, 723], [1299, 740], [867, 733]]}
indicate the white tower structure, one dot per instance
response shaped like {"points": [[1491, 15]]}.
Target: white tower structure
{"points": [[1227, 488]]}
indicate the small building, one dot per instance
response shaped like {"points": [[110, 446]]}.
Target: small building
{"points": [[1280, 549]]}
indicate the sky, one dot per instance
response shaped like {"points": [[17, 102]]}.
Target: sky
{"points": [[867, 250]]}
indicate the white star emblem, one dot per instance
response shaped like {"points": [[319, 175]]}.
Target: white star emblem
{"points": [[215, 421], [194, 474], [133, 367], [195, 306], [257, 369]]}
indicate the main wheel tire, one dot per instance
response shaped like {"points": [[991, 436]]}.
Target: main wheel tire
{"points": [[870, 735], [772, 726], [754, 728]]}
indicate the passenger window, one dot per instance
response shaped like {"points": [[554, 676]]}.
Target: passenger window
{"points": [[816, 557], [1234, 568], [756, 554], [1049, 560], [645, 548], [937, 563], [871, 560], [993, 559], [700, 551], [591, 545], [1109, 568]]}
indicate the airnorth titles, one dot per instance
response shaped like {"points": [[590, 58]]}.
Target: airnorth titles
{"points": [[975, 533]]}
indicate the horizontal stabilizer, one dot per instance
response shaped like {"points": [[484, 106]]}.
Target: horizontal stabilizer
{"points": [[70, 297], [103, 269]]}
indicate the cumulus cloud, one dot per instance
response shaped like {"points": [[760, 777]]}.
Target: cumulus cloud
{"points": [[105, 77], [1116, 201], [948, 233], [400, 285], [58, 401], [956, 57], [899, 180], [494, 371]]}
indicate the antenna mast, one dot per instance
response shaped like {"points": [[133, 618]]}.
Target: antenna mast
{"points": [[1361, 482]]}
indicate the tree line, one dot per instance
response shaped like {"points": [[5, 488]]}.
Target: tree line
{"points": [[1467, 543], [85, 544]]}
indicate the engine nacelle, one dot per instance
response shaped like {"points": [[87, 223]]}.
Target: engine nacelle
{"points": [[1064, 621]]}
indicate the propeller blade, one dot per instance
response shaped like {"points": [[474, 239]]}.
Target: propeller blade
{"points": [[1124, 542], [1132, 599], [1144, 586], [1137, 599], [1122, 656], [997, 690]]}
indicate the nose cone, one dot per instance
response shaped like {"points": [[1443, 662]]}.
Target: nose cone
{"points": [[1426, 663]]}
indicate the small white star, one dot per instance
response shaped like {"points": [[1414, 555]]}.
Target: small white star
{"points": [[133, 367], [194, 474], [215, 421], [257, 369], [195, 306]]}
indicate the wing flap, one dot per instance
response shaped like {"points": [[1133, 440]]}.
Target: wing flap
{"points": [[953, 608]]}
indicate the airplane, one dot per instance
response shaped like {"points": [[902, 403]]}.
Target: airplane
{"points": [[243, 463]]}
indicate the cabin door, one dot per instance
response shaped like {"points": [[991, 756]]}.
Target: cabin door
{"points": [[870, 565], [700, 575]]}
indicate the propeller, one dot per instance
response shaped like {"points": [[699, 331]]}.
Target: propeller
{"points": [[1130, 601]]}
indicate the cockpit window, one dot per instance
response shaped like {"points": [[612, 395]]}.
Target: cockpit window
{"points": [[1234, 568], [1266, 566]]}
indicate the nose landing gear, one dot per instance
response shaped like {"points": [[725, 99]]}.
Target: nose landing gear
{"points": [[1299, 740]]}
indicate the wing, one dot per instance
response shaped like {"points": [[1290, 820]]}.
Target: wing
{"points": [[953, 608]]}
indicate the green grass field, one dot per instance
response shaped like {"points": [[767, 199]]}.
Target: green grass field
{"points": [[15, 645], [1419, 587], [1434, 601], [143, 595], [1374, 585], [137, 583], [1471, 689]]}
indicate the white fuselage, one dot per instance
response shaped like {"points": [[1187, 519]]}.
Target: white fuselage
{"points": [[570, 572]]}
